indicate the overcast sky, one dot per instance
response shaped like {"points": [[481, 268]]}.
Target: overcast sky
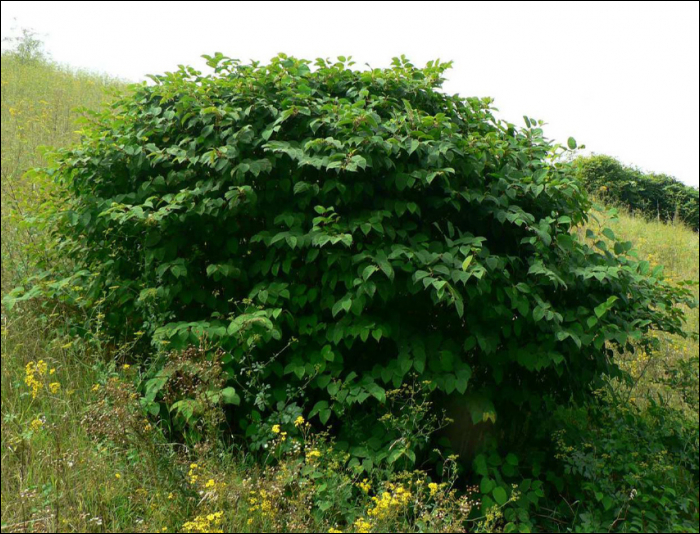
{"points": [[622, 78]]}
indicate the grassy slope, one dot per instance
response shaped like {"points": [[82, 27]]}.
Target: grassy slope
{"points": [[38, 109], [676, 248], [55, 474]]}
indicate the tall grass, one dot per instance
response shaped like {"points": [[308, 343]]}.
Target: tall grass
{"points": [[674, 246], [39, 107]]}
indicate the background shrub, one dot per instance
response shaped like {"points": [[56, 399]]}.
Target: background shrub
{"points": [[333, 234], [652, 195]]}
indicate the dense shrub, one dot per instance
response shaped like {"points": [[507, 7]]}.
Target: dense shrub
{"points": [[629, 469], [333, 234], [652, 195]]}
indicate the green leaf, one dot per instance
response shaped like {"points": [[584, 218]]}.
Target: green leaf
{"points": [[481, 408], [463, 376], [385, 266], [368, 272], [320, 406], [178, 271], [571, 142], [467, 263], [324, 416], [487, 485], [500, 496], [230, 396], [607, 232]]}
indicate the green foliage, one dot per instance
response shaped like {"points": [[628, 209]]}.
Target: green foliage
{"points": [[629, 469], [653, 195], [505, 488], [334, 232]]}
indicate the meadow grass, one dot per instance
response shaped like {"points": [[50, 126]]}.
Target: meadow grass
{"points": [[675, 247], [39, 108]]}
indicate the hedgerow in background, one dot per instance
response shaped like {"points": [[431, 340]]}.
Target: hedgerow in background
{"points": [[334, 234], [653, 195]]}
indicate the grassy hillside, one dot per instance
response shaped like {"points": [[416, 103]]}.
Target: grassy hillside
{"points": [[79, 454], [675, 247], [39, 108]]}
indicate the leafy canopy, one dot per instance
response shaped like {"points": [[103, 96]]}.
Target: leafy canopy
{"points": [[338, 232]]}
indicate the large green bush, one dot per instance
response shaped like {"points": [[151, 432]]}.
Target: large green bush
{"points": [[331, 234], [655, 196]]}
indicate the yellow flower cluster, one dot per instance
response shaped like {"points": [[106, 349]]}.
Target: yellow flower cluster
{"points": [[277, 429], [365, 485], [260, 502], [396, 498], [32, 376], [434, 488], [299, 421], [313, 455], [192, 474], [36, 425], [363, 526], [204, 523]]}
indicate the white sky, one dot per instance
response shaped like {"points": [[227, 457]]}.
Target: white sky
{"points": [[622, 78]]}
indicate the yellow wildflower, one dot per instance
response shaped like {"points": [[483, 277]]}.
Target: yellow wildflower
{"points": [[36, 425], [30, 379], [311, 455], [41, 367], [363, 526], [365, 485]]}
